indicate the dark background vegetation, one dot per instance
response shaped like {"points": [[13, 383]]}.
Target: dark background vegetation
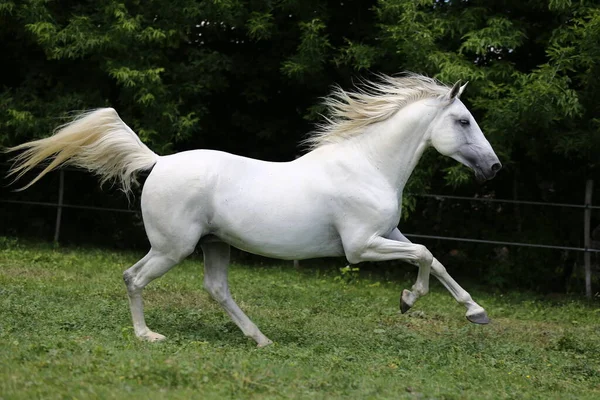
{"points": [[247, 77]]}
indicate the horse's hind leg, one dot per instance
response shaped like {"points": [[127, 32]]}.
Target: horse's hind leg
{"points": [[216, 262], [152, 266], [167, 251]]}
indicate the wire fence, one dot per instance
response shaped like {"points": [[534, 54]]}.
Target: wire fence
{"points": [[507, 201], [587, 207], [58, 205]]}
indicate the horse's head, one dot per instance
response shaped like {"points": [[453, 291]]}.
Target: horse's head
{"points": [[456, 134]]}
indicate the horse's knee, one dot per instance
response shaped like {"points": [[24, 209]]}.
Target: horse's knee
{"points": [[423, 255]]}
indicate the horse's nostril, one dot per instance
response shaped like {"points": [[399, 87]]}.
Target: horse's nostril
{"points": [[496, 167]]}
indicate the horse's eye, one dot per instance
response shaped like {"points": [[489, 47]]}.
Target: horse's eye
{"points": [[464, 122]]}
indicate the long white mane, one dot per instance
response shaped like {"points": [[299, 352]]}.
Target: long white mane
{"points": [[373, 101]]}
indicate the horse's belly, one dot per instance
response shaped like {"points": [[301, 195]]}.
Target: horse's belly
{"points": [[289, 252], [285, 242]]}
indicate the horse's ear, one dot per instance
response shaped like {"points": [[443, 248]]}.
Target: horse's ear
{"points": [[454, 92], [462, 89]]}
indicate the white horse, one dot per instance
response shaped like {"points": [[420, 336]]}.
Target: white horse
{"points": [[343, 198]]}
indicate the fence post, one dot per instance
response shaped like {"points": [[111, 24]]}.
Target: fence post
{"points": [[587, 214], [61, 189]]}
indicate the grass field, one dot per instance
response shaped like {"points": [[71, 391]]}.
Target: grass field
{"points": [[65, 332]]}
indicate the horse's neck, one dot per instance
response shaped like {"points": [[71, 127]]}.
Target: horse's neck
{"points": [[395, 146]]}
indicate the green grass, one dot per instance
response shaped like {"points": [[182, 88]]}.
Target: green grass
{"points": [[65, 332]]}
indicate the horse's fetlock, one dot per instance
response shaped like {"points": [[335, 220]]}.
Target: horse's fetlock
{"points": [[420, 289], [464, 298]]}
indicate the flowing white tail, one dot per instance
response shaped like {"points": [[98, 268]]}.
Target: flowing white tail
{"points": [[98, 141]]}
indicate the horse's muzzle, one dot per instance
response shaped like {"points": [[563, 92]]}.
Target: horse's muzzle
{"points": [[486, 174]]}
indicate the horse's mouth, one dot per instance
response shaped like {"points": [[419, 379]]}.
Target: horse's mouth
{"points": [[481, 176]]}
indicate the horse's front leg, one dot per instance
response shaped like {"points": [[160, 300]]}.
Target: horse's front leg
{"points": [[421, 286], [475, 313], [393, 248]]}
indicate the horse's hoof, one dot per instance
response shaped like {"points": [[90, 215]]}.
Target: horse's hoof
{"points": [[152, 337], [479, 318], [406, 301], [404, 307], [265, 343]]}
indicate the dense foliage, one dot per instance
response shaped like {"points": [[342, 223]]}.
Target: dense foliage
{"points": [[246, 77]]}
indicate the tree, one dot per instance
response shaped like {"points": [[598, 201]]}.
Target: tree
{"points": [[247, 77]]}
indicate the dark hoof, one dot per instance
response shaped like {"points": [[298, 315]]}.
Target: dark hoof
{"points": [[480, 318], [404, 306]]}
